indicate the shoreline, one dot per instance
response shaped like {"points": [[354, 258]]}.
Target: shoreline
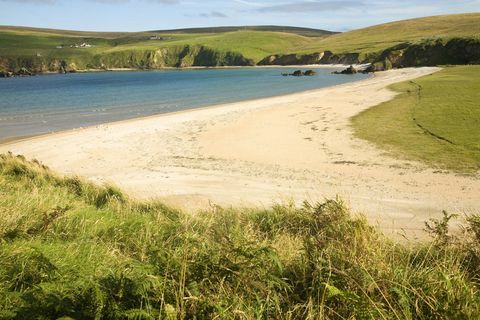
{"points": [[312, 66], [13, 140], [260, 152]]}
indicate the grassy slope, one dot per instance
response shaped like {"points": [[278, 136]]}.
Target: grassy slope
{"points": [[71, 249], [252, 44], [376, 38], [429, 111]]}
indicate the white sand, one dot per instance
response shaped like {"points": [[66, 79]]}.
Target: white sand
{"points": [[261, 152]]}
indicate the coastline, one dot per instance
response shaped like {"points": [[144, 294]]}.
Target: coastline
{"points": [[13, 140], [311, 66], [260, 152]]}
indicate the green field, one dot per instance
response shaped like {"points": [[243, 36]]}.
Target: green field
{"points": [[73, 250], [434, 119]]}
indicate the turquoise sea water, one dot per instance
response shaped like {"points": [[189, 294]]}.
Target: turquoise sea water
{"points": [[42, 104]]}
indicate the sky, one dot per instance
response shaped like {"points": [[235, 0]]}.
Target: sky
{"points": [[141, 15]]}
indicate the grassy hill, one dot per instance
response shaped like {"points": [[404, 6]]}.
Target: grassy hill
{"points": [[73, 250], [369, 44], [380, 37], [19, 46]]}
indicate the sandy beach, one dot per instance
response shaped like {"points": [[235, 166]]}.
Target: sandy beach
{"points": [[260, 152]]}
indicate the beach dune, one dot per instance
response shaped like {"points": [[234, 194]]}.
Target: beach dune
{"points": [[256, 153]]}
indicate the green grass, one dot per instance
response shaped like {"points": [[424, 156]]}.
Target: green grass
{"points": [[74, 250], [253, 45], [373, 39], [434, 119]]}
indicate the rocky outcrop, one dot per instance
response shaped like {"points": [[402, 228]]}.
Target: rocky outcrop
{"points": [[23, 72], [326, 57], [349, 70], [6, 74], [430, 53], [455, 51], [300, 73]]}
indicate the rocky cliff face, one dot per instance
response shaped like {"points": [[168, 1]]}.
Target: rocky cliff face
{"points": [[180, 57], [427, 53], [326, 57], [431, 53], [185, 56]]}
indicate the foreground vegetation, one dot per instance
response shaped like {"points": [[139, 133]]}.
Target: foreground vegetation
{"points": [[74, 250], [434, 119]]}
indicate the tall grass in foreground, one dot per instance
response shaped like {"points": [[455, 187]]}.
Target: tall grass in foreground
{"points": [[69, 249]]}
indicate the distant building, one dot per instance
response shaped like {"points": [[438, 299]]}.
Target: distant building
{"points": [[82, 45], [159, 38]]}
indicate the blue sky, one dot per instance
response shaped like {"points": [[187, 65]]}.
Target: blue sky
{"points": [[137, 15]]}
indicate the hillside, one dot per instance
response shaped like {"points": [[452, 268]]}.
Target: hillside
{"points": [[308, 32], [375, 43], [41, 50], [377, 38]]}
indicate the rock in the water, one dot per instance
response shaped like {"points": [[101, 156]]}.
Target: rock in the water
{"points": [[349, 70], [300, 73]]}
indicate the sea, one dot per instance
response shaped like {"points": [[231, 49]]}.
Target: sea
{"points": [[49, 103]]}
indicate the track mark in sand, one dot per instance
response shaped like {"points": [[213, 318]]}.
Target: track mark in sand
{"points": [[344, 162], [309, 122]]}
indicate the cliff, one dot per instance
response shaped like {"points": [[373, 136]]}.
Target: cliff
{"points": [[455, 51], [425, 53], [180, 56], [326, 57]]}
